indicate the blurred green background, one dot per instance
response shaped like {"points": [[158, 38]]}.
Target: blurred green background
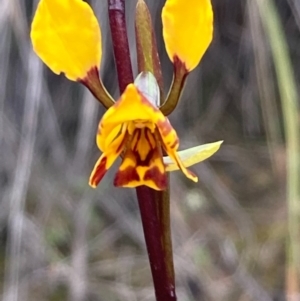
{"points": [[235, 233]]}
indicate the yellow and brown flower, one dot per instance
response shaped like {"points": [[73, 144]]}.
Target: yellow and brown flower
{"points": [[67, 37], [138, 128]]}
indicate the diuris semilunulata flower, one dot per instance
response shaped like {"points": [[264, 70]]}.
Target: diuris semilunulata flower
{"points": [[67, 37], [133, 125]]}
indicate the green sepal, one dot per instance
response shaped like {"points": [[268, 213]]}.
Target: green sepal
{"points": [[193, 155]]}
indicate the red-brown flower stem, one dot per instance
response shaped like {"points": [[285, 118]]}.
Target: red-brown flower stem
{"points": [[154, 205], [116, 11], [154, 208]]}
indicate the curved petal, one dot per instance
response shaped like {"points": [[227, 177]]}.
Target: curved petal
{"points": [[99, 171], [106, 135], [107, 159], [187, 29], [193, 155], [66, 36]]}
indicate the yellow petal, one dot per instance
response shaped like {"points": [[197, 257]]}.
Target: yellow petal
{"points": [[107, 135], [193, 155], [66, 36], [187, 29], [98, 171], [132, 106], [107, 159]]}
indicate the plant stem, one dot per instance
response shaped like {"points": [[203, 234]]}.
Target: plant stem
{"points": [[154, 205], [116, 11]]}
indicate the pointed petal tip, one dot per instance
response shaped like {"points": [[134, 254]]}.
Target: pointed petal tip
{"points": [[92, 184], [194, 178], [98, 172], [94, 180], [189, 174]]}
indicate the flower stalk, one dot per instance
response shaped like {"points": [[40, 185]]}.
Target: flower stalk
{"points": [[93, 82], [155, 213], [116, 12], [179, 77], [154, 205]]}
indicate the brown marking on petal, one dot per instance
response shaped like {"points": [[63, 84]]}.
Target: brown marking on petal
{"points": [[100, 127], [180, 65], [174, 144], [164, 126], [167, 136], [150, 138], [92, 77], [154, 174], [142, 162], [136, 139], [126, 176], [146, 137], [146, 161], [98, 172]]}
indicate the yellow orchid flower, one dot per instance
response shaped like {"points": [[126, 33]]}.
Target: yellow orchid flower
{"points": [[134, 126], [138, 128], [67, 37]]}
